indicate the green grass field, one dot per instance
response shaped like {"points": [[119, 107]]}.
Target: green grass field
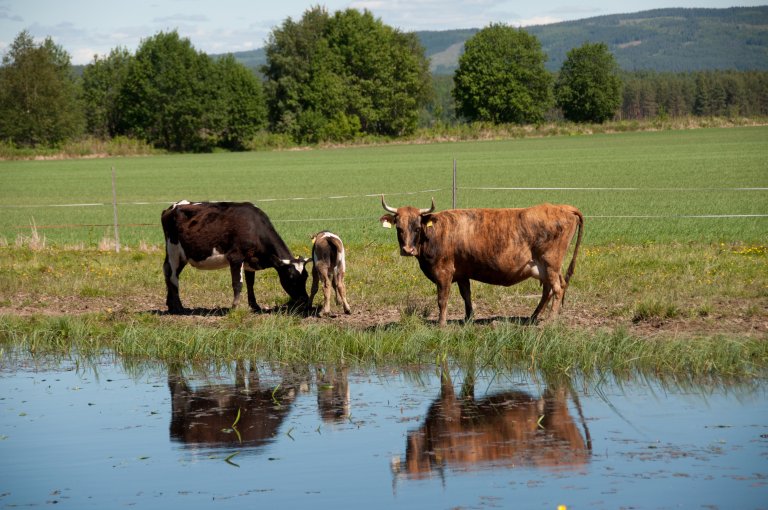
{"points": [[673, 251], [636, 188]]}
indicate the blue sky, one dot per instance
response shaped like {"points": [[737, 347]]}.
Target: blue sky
{"points": [[85, 28]]}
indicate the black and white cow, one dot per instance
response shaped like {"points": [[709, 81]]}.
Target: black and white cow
{"points": [[238, 235]]}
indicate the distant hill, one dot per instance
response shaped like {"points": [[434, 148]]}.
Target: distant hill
{"points": [[658, 40]]}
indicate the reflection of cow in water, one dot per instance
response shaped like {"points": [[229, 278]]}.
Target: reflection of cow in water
{"points": [[205, 416], [333, 394], [510, 429], [208, 415]]}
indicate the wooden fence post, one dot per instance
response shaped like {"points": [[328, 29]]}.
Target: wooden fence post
{"points": [[454, 184], [114, 208]]}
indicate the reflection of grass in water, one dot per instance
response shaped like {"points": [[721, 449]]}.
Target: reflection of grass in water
{"points": [[552, 348]]}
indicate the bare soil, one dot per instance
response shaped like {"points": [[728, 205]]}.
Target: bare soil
{"points": [[730, 319]]}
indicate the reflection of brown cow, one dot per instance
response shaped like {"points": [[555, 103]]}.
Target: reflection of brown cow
{"points": [[509, 429], [206, 416]]}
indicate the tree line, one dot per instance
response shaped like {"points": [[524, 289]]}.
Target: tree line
{"points": [[336, 77]]}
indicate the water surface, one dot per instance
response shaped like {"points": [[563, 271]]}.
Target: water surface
{"points": [[104, 436]]}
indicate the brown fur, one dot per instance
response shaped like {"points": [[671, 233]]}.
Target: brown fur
{"points": [[327, 252], [510, 428], [496, 246]]}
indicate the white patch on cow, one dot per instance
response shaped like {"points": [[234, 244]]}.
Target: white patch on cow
{"points": [[299, 265], [341, 263], [533, 269], [216, 260], [176, 256], [181, 202]]}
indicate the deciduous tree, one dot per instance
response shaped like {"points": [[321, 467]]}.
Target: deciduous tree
{"points": [[334, 77], [103, 82], [39, 97], [501, 77], [588, 88]]}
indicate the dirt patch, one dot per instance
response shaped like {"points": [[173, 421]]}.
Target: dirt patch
{"points": [[729, 321]]}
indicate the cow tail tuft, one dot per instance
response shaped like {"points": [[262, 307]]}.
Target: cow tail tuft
{"points": [[572, 265]]}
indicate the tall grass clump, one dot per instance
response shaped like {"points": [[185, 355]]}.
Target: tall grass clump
{"points": [[280, 338]]}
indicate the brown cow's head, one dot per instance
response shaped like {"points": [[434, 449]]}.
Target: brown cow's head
{"points": [[408, 222]]}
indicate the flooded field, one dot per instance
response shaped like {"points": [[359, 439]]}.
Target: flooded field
{"points": [[107, 435]]}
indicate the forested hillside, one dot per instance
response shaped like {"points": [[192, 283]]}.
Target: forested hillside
{"points": [[674, 40]]}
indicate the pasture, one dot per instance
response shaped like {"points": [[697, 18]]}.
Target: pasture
{"points": [[675, 238], [634, 188]]}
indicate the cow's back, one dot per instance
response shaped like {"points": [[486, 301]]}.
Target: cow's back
{"points": [[221, 225], [496, 245]]}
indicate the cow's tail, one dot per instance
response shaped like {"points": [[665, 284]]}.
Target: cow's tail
{"points": [[572, 265]]}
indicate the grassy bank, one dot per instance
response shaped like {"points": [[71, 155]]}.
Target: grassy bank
{"points": [[684, 309], [550, 349]]}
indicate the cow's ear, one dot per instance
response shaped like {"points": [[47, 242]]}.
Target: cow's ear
{"points": [[387, 220], [297, 263], [428, 220]]}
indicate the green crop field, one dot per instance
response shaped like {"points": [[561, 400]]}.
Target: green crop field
{"points": [[704, 185]]}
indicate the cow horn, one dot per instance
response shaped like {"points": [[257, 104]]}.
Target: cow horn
{"points": [[386, 207], [427, 211]]}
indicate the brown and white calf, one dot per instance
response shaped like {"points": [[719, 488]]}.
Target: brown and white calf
{"points": [[496, 246], [237, 235], [329, 265]]}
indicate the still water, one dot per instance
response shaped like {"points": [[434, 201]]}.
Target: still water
{"points": [[110, 436]]}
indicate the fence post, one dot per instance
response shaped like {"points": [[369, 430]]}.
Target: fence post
{"points": [[454, 184], [114, 208]]}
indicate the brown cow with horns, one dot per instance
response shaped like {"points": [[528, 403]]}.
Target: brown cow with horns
{"points": [[496, 246]]}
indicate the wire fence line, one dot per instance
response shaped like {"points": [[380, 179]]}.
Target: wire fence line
{"points": [[258, 200], [401, 193], [609, 189], [409, 193]]}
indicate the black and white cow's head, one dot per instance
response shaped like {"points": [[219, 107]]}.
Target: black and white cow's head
{"points": [[293, 278]]}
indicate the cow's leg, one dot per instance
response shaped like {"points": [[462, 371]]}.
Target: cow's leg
{"points": [[443, 292], [326, 292], [341, 291], [551, 288], [315, 285], [558, 291], [172, 269], [236, 270], [546, 292], [250, 278], [466, 293]]}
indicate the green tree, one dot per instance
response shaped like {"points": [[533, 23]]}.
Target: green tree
{"points": [[588, 88], [501, 77], [39, 97], [300, 77], [103, 82], [168, 96], [240, 101], [334, 77]]}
